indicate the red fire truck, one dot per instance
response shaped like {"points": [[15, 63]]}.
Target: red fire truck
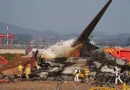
{"points": [[122, 53]]}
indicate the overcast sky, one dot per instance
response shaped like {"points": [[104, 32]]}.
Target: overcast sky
{"points": [[66, 16]]}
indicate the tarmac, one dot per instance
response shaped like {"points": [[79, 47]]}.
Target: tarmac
{"points": [[12, 51]]}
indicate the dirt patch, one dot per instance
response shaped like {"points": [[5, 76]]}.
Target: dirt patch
{"points": [[11, 67], [44, 85]]}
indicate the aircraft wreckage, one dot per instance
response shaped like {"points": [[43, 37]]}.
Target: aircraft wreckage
{"points": [[56, 61]]}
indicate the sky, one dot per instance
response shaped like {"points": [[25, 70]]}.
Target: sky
{"points": [[66, 16]]}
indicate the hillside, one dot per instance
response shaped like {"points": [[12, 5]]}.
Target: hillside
{"points": [[19, 30], [25, 32]]}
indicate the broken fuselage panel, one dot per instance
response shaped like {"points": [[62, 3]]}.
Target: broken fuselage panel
{"points": [[59, 50]]}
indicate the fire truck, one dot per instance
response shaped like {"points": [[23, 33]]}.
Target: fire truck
{"points": [[121, 53]]}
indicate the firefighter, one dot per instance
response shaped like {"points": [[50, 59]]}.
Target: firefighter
{"points": [[86, 72], [20, 70], [28, 70], [117, 72], [76, 73], [125, 87]]}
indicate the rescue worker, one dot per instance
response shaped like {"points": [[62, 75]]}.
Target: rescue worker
{"points": [[86, 72], [117, 72], [125, 87], [28, 70], [20, 70], [76, 72]]}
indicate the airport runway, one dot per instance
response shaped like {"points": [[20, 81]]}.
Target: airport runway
{"points": [[12, 51]]}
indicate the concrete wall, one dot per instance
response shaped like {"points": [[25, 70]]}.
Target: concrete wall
{"points": [[12, 51]]}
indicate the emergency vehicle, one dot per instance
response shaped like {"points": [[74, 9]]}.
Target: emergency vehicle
{"points": [[121, 53]]}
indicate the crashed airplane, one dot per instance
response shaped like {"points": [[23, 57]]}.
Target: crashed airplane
{"points": [[68, 48], [55, 55], [98, 60]]}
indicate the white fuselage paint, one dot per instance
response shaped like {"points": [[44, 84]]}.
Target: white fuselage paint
{"points": [[60, 49]]}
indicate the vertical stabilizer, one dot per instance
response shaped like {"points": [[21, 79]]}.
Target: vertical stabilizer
{"points": [[88, 30]]}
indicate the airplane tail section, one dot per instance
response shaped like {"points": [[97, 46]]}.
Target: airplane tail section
{"points": [[88, 30]]}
